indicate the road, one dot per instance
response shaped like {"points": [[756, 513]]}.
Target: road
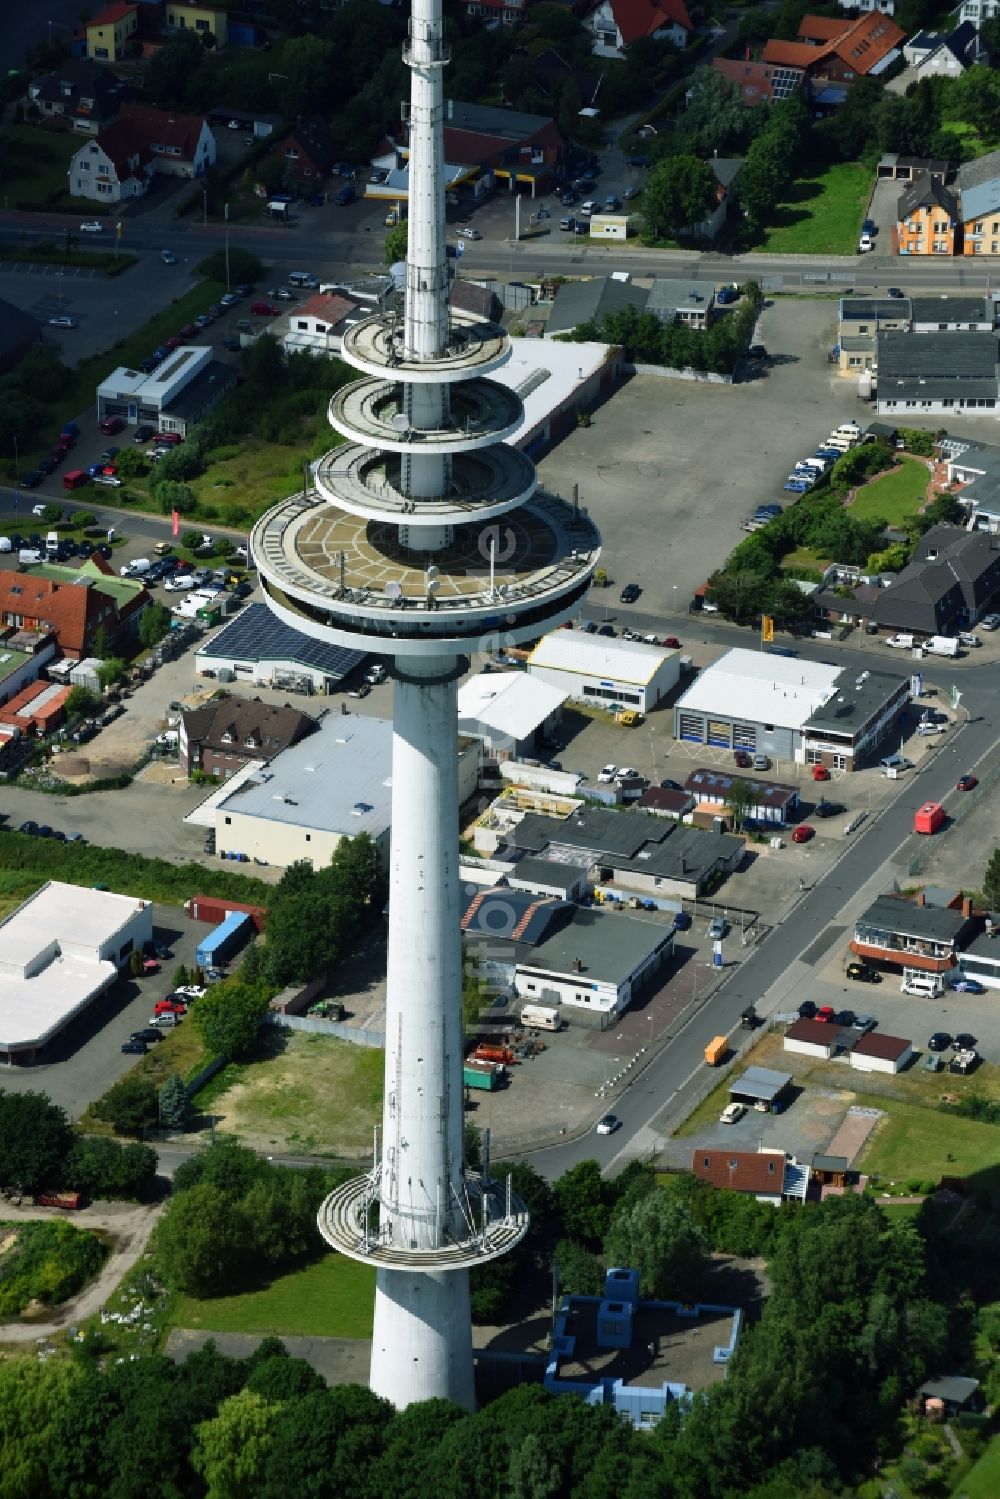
{"points": [[658, 1094]]}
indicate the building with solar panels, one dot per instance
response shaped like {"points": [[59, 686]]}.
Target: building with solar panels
{"points": [[259, 649]]}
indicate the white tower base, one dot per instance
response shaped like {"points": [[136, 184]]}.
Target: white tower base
{"points": [[422, 1338]]}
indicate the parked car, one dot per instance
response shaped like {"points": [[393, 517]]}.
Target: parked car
{"points": [[607, 1124], [964, 1042], [965, 985], [168, 257], [968, 782], [863, 973], [732, 1113], [820, 773], [682, 921], [803, 833], [62, 321], [828, 809], [607, 775], [91, 226], [263, 309], [717, 928], [135, 1048], [149, 1034], [940, 1041], [826, 1014], [807, 1010], [990, 622], [865, 1023]]}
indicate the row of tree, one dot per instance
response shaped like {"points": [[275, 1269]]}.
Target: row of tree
{"points": [[39, 1148], [647, 340]]}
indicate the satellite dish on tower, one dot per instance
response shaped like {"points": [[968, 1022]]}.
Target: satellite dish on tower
{"points": [[400, 422], [393, 590]]}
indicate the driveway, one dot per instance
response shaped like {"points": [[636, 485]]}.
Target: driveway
{"points": [[131, 1227]]}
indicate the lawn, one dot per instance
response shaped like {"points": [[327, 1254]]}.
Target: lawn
{"points": [[914, 1142], [983, 1481], [805, 558], [822, 213], [331, 1298], [302, 1092], [895, 496], [33, 165]]}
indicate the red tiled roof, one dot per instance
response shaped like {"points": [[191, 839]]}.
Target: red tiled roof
{"points": [[164, 127], [860, 44], [636, 18], [755, 80], [875, 1044], [326, 306], [122, 142], [820, 28], [73, 611], [112, 14], [740, 1170], [793, 54]]}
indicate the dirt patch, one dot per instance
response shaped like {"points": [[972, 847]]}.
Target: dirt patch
{"points": [[313, 1093], [7, 1243]]}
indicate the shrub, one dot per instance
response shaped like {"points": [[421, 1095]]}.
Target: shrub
{"points": [[49, 1262]]}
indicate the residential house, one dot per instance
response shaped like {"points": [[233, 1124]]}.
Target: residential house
{"points": [[689, 302], [112, 33], [203, 20], [973, 470], [228, 732], [307, 151], [949, 1396], [902, 933], [84, 93], [76, 605], [121, 160], [494, 12], [938, 55], [924, 374], [859, 321], [927, 218], [887, 7], [616, 23], [760, 82], [318, 325], [726, 170], [591, 301], [979, 197], [834, 53], [950, 582], [770, 1176], [978, 11]]}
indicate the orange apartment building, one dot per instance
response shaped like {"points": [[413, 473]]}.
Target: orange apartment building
{"points": [[928, 219]]}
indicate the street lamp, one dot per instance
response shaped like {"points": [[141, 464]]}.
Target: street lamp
{"points": [[226, 217]]}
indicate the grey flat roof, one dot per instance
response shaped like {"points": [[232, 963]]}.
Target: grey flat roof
{"points": [[954, 356], [953, 1387], [894, 913], [761, 1082], [213, 381], [857, 696], [338, 780], [547, 872], [590, 829], [255, 634], [829, 1162], [689, 853], [609, 945], [952, 310], [855, 308]]}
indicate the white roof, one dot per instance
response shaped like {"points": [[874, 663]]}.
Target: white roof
{"points": [[49, 964], [599, 656], [172, 375], [746, 684], [511, 702], [546, 374]]}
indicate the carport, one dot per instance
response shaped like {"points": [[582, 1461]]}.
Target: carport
{"points": [[762, 1086]]}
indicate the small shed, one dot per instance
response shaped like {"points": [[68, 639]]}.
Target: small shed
{"points": [[830, 1170], [876, 1052], [812, 1038], [953, 1393], [761, 1085]]}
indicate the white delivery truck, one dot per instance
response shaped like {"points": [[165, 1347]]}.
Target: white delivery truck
{"points": [[901, 642], [941, 645]]}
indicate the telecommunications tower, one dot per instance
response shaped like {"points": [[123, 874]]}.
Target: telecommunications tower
{"points": [[418, 539]]}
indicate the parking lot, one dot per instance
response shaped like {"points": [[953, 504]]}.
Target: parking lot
{"points": [[84, 1060], [669, 468]]}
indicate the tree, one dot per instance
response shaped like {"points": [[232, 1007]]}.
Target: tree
{"points": [[131, 463], [230, 1451], [175, 1105], [52, 514], [170, 495], [81, 702], [34, 1138], [678, 193], [172, 69], [154, 624], [101, 1167], [191, 540], [202, 1238], [228, 1017], [739, 800], [129, 1106], [583, 1201], [110, 670], [396, 242], [184, 461], [658, 1237], [31, 1397], [991, 881], [81, 519], [580, 1272]]}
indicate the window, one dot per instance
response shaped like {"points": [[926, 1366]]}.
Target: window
{"points": [[309, 837], [770, 1167], [292, 152], [229, 822], [201, 26], [85, 166], [706, 1161]]}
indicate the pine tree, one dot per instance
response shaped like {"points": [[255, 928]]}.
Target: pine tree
{"points": [[991, 881], [175, 1106]]}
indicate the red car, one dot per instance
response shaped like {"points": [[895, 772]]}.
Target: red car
{"points": [[150, 965], [803, 833], [188, 331], [672, 643], [827, 1014], [169, 1007], [264, 309], [967, 783], [743, 760], [820, 773]]}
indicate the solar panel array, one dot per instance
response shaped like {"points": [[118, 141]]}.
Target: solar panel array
{"points": [[257, 635]]}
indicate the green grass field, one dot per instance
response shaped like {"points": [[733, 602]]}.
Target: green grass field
{"points": [[894, 496], [332, 1298], [822, 213], [33, 165], [914, 1142], [983, 1481]]}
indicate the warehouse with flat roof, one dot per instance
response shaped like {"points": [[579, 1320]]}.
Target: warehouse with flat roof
{"points": [[605, 672], [59, 950]]}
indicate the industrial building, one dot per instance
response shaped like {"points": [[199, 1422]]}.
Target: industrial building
{"points": [[59, 950], [790, 709], [510, 711], [606, 673], [592, 963], [173, 397], [258, 649]]}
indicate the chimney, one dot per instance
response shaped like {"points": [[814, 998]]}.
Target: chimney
{"points": [[918, 899], [966, 906]]}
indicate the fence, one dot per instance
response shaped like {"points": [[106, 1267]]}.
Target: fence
{"points": [[316, 1026]]}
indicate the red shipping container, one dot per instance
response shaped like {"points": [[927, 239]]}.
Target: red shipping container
{"points": [[213, 908], [928, 818]]}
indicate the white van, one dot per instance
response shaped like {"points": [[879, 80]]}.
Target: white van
{"points": [[542, 1018], [923, 985], [303, 278], [27, 555], [5, 544], [51, 543]]}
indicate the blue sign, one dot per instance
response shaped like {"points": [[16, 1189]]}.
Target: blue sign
{"points": [[460, 247]]}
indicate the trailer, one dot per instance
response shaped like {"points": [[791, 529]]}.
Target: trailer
{"points": [[486, 1076], [716, 1050], [71, 1202], [227, 938]]}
